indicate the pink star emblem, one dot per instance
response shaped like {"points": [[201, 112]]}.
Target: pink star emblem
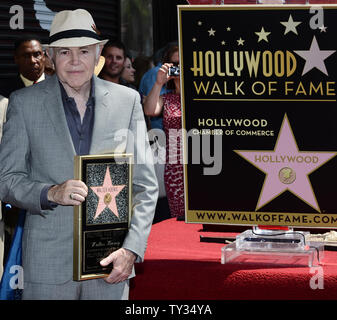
{"points": [[107, 195], [314, 57], [287, 168]]}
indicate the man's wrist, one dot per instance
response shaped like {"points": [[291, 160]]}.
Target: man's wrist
{"points": [[130, 253], [50, 193], [46, 203]]}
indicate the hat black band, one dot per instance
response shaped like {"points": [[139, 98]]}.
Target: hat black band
{"points": [[74, 33]]}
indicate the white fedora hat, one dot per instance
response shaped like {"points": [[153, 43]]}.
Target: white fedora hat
{"points": [[73, 28]]}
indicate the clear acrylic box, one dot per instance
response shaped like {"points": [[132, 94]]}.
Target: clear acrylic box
{"points": [[273, 247]]}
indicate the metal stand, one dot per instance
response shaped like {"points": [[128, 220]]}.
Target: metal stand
{"points": [[273, 247]]}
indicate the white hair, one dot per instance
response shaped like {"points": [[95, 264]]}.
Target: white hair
{"points": [[98, 51]]}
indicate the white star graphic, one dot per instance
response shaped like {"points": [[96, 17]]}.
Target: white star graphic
{"points": [[211, 32], [323, 28], [240, 42], [314, 57], [290, 25], [262, 35]]}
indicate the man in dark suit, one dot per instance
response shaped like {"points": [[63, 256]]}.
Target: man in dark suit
{"points": [[30, 59]]}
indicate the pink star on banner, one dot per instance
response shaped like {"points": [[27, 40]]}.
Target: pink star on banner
{"points": [[287, 168], [314, 57], [107, 195]]}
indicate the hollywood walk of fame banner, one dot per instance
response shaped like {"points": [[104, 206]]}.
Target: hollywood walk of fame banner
{"points": [[259, 114], [101, 222]]}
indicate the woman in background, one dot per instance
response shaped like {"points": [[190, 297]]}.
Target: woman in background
{"points": [[169, 104], [128, 73]]}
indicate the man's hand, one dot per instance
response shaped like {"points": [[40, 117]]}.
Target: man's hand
{"points": [[69, 193], [123, 261]]}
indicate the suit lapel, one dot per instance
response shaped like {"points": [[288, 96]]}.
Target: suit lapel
{"points": [[54, 106], [101, 123]]}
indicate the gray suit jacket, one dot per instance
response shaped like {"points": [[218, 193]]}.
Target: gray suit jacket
{"points": [[3, 108], [37, 150]]}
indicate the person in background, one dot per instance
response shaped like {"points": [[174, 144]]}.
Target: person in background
{"points": [[149, 79], [30, 60], [128, 73], [114, 53], [169, 103], [166, 54]]}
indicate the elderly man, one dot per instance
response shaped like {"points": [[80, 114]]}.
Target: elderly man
{"points": [[72, 112]]}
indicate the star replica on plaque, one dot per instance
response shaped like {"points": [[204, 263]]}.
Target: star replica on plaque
{"points": [[101, 222]]}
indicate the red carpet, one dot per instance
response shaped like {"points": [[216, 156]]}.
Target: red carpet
{"points": [[178, 266]]}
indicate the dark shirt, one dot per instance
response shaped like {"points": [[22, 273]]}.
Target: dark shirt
{"points": [[7, 86], [127, 84], [81, 132]]}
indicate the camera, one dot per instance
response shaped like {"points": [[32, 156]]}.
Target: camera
{"points": [[174, 71]]}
